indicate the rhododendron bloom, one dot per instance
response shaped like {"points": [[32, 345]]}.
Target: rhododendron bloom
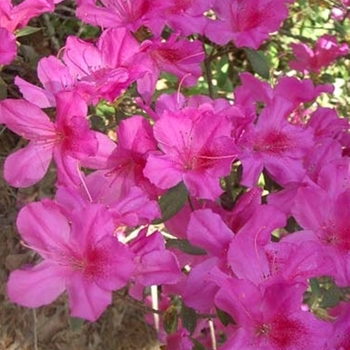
{"points": [[129, 14], [128, 208], [325, 51], [179, 340], [54, 76], [196, 148], [104, 70], [340, 338], [270, 318], [179, 57], [67, 140], [274, 144], [8, 46], [14, 17], [126, 162], [186, 17], [327, 219], [246, 22], [80, 255], [154, 265]]}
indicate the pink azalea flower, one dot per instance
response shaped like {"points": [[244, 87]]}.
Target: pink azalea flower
{"points": [[254, 90], [337, 169], [274, 144], [326, 124], [180, 340], [340, 340], [155, 265], [54, 76], [79, 255], [129, 14], [179, 57], [15, 17], [201, 285], [325, 51], [128, 209], [8, 46], [104, 70], [186, 17], [270, 318], [326, 218], [101, 71], [199, 150], [125, 164], [246, 22], [67, 140]]}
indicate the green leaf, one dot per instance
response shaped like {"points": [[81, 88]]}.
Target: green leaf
{"points": [[170, 319], [171, 202], [222, 69], [197, 345], [224, 317], [331, 297], [339, 28], [188, 318], [75, 323], [259, 62], [185, 246], [26, 31], [3, 89]]}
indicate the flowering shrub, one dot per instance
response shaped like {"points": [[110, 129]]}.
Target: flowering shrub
{"points": [[250, 196]]}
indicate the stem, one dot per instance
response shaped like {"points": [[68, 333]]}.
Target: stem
{"points": [[208, 74], [212, 334]]}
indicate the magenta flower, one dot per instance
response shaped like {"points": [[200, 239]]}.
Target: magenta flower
{"points": [[340, 340], [128, 208], [176, 56], [325, 51], [67, 140], [196, 148], [274, 144], [186, 17], [15, 17], [54, 76], [79, 255], [326, 218], [106, 69], [8, 46], [129, 14], [154, 265], [101, 71], [125, 164], [246, 22], [180, 340], [270, 318]]}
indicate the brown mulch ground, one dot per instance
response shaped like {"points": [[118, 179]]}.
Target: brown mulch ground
{"points": [[121, 327]]}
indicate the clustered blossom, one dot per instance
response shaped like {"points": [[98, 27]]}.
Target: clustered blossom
{"points": [[242, 259], [16, 17], [325, 51]]}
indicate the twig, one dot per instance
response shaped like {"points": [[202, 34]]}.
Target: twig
{"points": [[212, 334], [35, 331]]}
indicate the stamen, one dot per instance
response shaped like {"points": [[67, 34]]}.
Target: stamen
{"points": [[84, 184], [179, 88]]}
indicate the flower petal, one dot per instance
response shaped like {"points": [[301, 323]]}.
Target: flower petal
{"points": [[28, 165], [86, 299], [36, 286], [25, 119], [43, 227]]}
